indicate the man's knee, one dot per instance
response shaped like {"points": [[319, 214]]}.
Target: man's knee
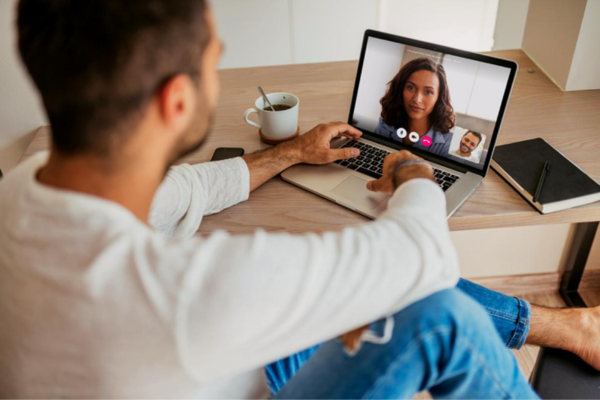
{"points": [[449, 310]]}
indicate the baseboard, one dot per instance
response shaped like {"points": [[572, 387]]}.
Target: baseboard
{"points": [[590, 280], [544, 71], [515, 285]]}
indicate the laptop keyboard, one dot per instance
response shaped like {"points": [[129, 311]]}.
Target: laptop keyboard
{"points": [[370, 162]]}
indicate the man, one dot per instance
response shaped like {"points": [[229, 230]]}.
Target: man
{"points": [[468, 144], [95, 301]]}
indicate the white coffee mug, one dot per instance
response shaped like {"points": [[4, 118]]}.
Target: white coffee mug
{"points": [[276, 126]]}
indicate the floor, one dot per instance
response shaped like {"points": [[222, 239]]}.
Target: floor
{"points": [[528, 354]]}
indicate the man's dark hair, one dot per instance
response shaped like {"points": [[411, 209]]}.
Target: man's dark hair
{"points": [[98, 63], [476, 134]]}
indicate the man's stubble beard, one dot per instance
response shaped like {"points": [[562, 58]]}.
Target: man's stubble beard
{"points": [[465, 153], [200, 128], [194, 146]]}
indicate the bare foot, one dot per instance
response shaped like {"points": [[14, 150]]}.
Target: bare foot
{"points": [[573, 329], [587, 346]]}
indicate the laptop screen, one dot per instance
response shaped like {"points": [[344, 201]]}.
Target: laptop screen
{"points": [[431, 101]]}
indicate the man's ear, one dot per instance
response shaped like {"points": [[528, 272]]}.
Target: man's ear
{"points": [[177, 102]]}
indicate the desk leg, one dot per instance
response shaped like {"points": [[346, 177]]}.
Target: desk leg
{"points": [[578, 256]]}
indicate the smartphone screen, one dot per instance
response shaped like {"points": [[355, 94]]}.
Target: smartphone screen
{"points": [[223, 153]]}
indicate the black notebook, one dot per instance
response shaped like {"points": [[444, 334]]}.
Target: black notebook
{"points": [[565, 186]]}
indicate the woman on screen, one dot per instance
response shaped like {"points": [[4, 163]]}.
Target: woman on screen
{"points": [[418, 100]]}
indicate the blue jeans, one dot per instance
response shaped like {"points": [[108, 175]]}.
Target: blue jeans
{"points": [[445, 343]]}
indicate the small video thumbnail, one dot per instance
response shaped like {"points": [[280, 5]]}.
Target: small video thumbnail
{"points": [[467, 145]]}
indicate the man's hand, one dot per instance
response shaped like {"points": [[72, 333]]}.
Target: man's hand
{"points": [[314, 147], [388, 182]]}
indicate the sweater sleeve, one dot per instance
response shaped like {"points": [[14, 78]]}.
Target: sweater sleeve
{"points": [[190, 192], [244, 301]]}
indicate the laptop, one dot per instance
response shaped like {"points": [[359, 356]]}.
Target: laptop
{"points": [[442, 104]]}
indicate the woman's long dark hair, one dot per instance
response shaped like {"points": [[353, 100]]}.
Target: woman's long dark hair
{"points": [[392, 104]]}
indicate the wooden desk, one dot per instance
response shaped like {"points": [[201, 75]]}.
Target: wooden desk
{"points": [[570, 121]]}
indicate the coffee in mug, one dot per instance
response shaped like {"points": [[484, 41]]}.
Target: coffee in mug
{"points": [[276, 126], [277, 107]]}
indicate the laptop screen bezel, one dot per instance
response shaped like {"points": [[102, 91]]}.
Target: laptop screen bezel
{"points": [[448, 162]]}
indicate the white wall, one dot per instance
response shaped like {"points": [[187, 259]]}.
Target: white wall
{"points": [[461, 75], [273, 32], [512, 251], [465, 24], [330, 30], [488, 91], [510, 24], [20, 111], [584, 73], [256, 32]]}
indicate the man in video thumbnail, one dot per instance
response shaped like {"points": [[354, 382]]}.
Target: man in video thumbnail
{"points": [[468, 144]]}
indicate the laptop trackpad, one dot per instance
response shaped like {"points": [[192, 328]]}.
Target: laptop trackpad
{"points": [[355, 190]]}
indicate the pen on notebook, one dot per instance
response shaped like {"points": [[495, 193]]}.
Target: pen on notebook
{"points": [[540, 184]]}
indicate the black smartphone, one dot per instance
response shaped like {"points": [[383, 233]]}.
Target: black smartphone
{"points": [[223, 153]]}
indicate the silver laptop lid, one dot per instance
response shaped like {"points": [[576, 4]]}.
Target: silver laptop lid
{"points": [[443, 104]]}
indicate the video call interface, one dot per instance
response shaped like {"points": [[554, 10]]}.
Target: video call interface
{"points": [[435, 102]]}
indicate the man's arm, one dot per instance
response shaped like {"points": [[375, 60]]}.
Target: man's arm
{"points": [[311, 148], [190, 192], [246, 300]]}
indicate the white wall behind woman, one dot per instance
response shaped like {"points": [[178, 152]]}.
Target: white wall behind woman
{"points": [[20, 110], [382, 62]]}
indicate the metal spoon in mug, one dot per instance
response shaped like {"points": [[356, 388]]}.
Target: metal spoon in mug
{"points": [[265, 97]]}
